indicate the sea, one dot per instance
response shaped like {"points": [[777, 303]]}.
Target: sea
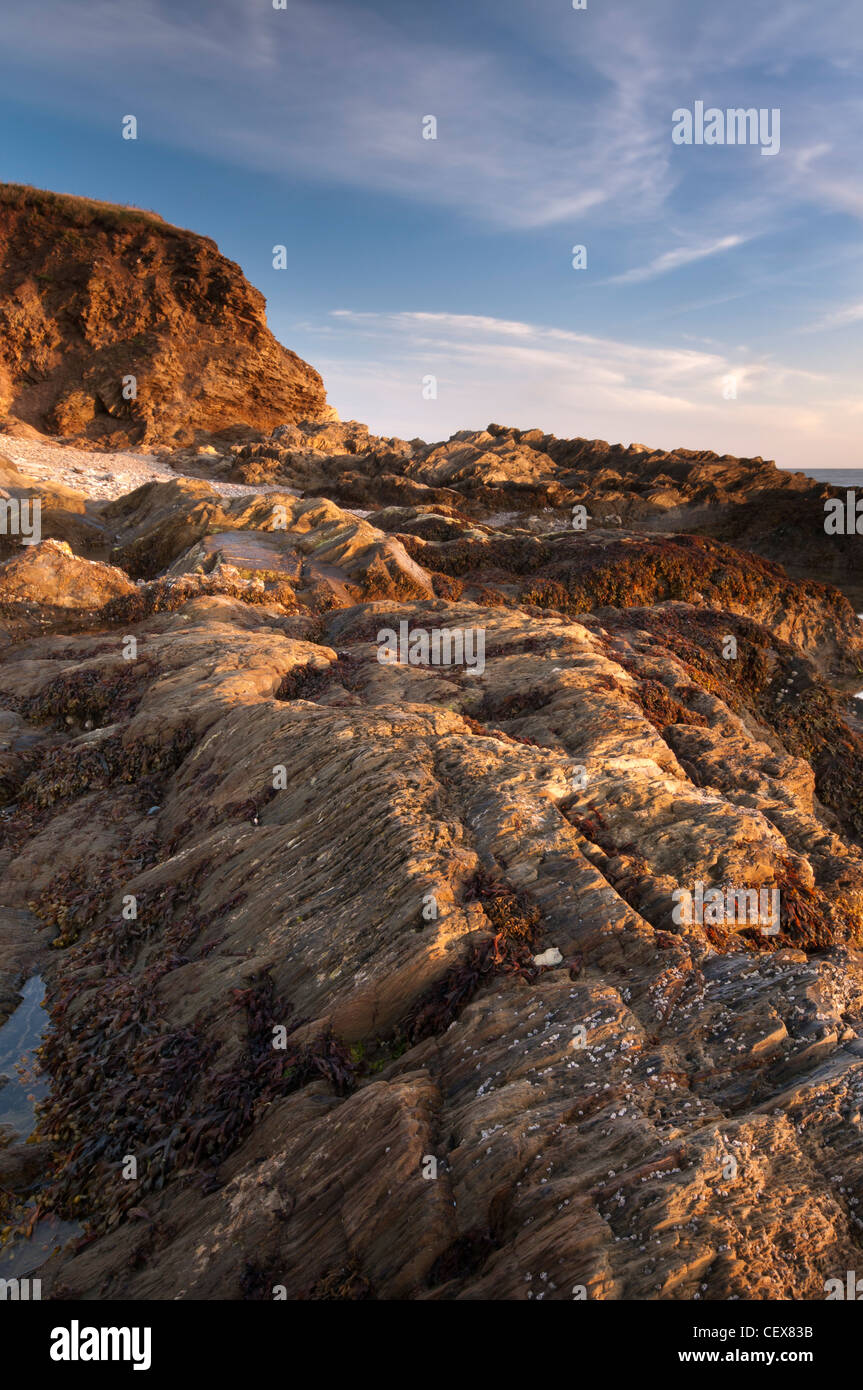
{"points": [[839, 477], [21, 1087]]}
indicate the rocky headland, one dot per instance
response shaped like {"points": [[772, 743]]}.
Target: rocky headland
{"points": [[118, 328]]}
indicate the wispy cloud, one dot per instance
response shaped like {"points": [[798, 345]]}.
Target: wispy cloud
{"points": [[573, 384], [337, 91], [672, 260], [839, 318]]}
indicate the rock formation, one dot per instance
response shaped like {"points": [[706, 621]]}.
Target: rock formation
{"points": [[372, 964], [749, 502], [93, 295]]}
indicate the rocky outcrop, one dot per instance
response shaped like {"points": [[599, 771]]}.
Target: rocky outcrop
{"points": [[485, 473], [401, 1008], [117, 327], [313, 549], [50, 576]]}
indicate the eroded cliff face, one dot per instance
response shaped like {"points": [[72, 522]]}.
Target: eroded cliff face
{"points": [[93, 294], [504, 1068]]}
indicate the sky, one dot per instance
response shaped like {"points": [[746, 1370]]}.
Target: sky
{"points": [[431, 281]]}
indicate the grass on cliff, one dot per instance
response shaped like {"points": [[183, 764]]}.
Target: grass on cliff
{"points": [[82, 211]]}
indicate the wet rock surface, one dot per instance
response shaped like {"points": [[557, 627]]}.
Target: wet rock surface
{"points": [[371, 964]]}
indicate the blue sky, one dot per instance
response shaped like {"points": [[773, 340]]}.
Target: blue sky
{"points": [[722, 304]]}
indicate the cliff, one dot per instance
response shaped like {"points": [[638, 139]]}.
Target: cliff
{"points": [[92, 294]]}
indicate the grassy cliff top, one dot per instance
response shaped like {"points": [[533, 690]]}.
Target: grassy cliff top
{"points": [[73, 208]]}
